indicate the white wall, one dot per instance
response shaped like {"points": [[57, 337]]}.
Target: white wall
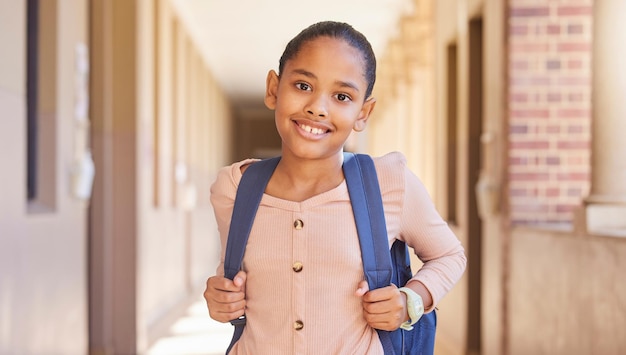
{"points": [[43, 283]]}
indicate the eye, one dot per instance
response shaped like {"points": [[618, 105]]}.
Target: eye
{"points": [[343, 97], [303, 86]]}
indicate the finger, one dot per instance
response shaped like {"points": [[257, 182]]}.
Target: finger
{"points": [[362, 288], [240, 279], [222, 284], [227, 312], [385, 321], [225, 297], [382, 308], [383, 326], [381, 294], [223, 290]]}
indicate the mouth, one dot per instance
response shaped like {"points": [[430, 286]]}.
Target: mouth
{"points": [[318, 131]]}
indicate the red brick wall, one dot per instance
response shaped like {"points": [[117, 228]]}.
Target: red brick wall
{"points": [[549, 108]]}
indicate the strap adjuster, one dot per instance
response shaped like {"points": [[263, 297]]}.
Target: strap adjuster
{"points": [[239, 321]]}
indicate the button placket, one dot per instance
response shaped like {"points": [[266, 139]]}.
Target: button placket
{"points": [[299, 261], [299, 245]]}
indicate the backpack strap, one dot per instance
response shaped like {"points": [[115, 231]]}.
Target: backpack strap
{"points": [[367, 207], [249, 194], [369, 215]]}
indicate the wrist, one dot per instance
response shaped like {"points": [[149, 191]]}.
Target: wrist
{"points": [[414, 306]]}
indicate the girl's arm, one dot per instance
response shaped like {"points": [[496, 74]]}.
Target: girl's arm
{"points": [[434, 243]]}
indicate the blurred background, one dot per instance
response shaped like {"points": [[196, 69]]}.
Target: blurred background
{"points": [[115, 116]]}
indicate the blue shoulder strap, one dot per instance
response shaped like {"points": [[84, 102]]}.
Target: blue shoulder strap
{"points": [[367, 207], [249, 195], [369, 215]]}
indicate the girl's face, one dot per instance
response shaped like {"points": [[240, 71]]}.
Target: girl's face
{"points": [[319, 98]]}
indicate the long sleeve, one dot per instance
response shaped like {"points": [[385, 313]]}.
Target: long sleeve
{"points": [[223, 192], [413, 218]]}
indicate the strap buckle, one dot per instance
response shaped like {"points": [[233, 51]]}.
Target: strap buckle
{"points": [[239, 321]]}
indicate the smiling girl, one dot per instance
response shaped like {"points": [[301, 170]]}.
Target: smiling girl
{"points": [[302, 284]]}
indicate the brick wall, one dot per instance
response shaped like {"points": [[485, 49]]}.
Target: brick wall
{"points": [[549, 108]]}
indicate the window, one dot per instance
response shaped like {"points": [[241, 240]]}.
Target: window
{"points": [[452, 133], [41, 97]]}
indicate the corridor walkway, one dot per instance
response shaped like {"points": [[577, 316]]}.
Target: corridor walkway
{"points": [[195, 333]]}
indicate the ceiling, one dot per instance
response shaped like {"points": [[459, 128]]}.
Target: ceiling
{"points": [[241, 40]]}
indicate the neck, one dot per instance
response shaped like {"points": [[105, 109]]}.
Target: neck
{"points": [[298, 179]]}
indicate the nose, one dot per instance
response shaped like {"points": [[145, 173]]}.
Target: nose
{"points": [[317, 106]]}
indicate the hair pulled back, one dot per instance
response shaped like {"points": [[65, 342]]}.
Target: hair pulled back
{"points": [[338, 30]]}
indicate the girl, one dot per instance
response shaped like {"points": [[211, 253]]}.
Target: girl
{"points": [[302, 286]]}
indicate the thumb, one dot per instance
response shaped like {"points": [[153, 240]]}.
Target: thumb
{"points": [[362, 289], [239, 279]]}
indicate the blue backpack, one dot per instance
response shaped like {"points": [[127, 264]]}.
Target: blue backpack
{"points": [[381, 267]]}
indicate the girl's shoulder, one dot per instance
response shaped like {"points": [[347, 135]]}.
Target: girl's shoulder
{"points": [[393, 160], [389, 168], [390, 165], [234, 171], [228, 177], [391, 171]]}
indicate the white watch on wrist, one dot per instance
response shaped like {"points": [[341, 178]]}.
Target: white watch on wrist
{"points": [[414, 305]]}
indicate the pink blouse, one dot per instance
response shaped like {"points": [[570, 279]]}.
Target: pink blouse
{"points": [[303, 262]]}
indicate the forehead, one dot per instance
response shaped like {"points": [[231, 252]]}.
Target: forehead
{"points": [[330, 56]]}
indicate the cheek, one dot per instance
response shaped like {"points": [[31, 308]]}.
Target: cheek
{"points": [[349, 114], [282, 115], [282, 122], [285, 104]]}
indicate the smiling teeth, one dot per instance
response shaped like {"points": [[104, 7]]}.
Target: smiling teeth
{"points": [[312, 130]]}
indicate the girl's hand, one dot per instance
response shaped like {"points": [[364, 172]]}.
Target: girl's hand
{"points": [[226, 299], [384, 308]]}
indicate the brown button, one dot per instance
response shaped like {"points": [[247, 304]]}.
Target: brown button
{"points": [[298, 224], [297, 266], [298, 325]]}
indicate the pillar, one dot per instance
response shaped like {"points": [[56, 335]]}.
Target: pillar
{"points": [[606, 205]]}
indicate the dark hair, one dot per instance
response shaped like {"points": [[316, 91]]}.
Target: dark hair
{"points": [[334, 30]]}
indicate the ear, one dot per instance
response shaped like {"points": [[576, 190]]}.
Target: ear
{"points": [[271, 89], [366, 110]]}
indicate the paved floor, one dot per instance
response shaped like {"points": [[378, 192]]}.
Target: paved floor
{"points": [[195, 333]]}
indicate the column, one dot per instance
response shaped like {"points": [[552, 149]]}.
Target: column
{"points": [[401, 81], [606, 205]]}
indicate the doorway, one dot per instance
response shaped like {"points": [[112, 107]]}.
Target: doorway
{"points": [[474, 228]]}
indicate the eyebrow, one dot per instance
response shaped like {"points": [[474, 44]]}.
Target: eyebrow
{"points": [[340, 82]]}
